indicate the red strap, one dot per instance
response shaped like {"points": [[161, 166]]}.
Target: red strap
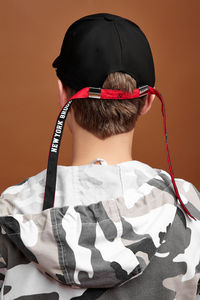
{"points": [[99, 93], [121, 95], [155, 92], [108, 94]]}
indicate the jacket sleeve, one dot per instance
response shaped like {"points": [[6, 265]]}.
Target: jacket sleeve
{"points": [[3, 265], [198, 289], [191, 197], [3, 257], [3, 251], [2, 272]]}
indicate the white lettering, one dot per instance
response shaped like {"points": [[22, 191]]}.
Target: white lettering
{"points": [[55, 141], [54, 150], [54, 146], [58, 131]]}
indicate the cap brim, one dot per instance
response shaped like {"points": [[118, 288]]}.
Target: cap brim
{"points": [[56, 62]]}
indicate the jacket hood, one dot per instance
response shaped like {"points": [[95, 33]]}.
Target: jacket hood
{"points": [[103, 231]]}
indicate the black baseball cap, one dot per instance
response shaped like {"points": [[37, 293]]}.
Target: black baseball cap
{"points": [[97, 45]]}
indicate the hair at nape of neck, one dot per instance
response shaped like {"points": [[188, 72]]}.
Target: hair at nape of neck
{"points": [[105, 118]]}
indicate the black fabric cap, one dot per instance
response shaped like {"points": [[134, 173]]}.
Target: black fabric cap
{"points": [[97, 45]]}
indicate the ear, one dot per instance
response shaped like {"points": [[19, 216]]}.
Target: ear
{"points": [[62, 93], [148, 103]]}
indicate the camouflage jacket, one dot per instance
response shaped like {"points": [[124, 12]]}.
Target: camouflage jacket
{"points": [[115, 232]]}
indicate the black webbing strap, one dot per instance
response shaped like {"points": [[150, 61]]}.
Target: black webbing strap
{"points": [[53, 157]]}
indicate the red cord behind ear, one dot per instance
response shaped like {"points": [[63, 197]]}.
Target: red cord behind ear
{"points": [[155, 92], [98, 94]]}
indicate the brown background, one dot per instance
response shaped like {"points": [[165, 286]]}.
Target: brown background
{"points": [[31, 36]]}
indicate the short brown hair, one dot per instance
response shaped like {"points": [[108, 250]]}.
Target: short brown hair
{"points": [[105, 118]]}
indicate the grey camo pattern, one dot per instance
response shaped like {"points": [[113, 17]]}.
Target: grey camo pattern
{"points": [[132, 240]]}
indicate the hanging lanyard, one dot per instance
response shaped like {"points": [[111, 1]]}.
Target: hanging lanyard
{"points": [[97, 93]]}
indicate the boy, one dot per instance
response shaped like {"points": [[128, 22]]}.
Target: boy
{"points": [[111, 227]]}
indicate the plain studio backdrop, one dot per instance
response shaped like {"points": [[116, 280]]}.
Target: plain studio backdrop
{"points": [[31, 35]]}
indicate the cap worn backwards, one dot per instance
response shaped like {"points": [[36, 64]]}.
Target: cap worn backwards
{"points": [[94, 47], [99, 44]]}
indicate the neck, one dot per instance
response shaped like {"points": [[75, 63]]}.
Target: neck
{"points": [[86, 147]]}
